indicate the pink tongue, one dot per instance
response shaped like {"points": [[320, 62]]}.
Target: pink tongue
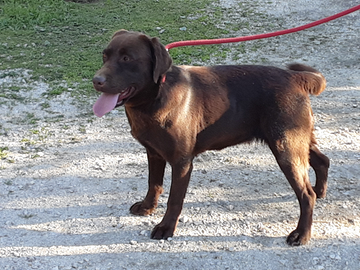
{"points": [[105, 103]]}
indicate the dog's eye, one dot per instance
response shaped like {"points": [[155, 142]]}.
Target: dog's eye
{"points": [[125, 58]]}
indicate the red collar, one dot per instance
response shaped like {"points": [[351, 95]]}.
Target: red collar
{"points": [[163, 79]]}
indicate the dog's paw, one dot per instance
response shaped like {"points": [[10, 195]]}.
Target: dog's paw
{"points": [[297, 238], [162, 231], [140, 209]]}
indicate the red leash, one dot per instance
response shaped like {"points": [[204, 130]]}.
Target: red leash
{"points": [[260, 36]]}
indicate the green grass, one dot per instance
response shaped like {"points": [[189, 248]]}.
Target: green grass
{"points": [[58, 90], [4, 152], [61, 40]]}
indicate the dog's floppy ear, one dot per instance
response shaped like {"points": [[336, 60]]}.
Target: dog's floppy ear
{"points": [[161, 59]]}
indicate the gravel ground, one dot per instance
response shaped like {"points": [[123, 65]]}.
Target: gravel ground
{"points": [[68, 181]]}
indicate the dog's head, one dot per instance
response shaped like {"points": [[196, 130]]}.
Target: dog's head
{"points": [[132, 63]]}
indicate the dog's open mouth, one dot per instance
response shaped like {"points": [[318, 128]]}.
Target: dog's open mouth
{"points": [[107, 102]]}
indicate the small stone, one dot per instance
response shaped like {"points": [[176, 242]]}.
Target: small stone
{"points": [[184, 219], [230, 207], [315, 260], [351, 221], [260, 227], [133, 242]]}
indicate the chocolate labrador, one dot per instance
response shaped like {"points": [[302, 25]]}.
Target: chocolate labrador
{"points": [[178, 112]]}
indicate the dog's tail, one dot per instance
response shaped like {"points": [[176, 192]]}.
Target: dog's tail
{"points": [[311, 80]]}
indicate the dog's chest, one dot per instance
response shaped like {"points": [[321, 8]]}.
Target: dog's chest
{"points": [[148, 130]]}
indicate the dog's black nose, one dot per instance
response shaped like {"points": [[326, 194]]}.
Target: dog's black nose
{"points": [[99, 81]]}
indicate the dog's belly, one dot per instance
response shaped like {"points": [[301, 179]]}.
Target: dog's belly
{"points": [[215, 138]]}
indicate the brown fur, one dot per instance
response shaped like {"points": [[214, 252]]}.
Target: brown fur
{"points": [[201, 108]]}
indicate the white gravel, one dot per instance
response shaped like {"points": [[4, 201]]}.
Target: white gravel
{"points": [[67, 182]]}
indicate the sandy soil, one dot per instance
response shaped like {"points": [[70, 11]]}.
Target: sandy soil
{"points": [[68, 181]]}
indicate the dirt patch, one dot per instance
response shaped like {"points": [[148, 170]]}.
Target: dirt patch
{"points": [[69, 178]]}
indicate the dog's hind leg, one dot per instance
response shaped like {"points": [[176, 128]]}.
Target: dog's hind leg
{"points": [[320, 163], [293, 159], [156, 175]]}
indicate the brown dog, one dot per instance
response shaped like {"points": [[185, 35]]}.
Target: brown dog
{"points": [[177, 112]]}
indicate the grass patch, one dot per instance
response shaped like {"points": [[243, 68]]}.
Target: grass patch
{"points": [[63, 40], [30, 118], [15, 88], [4, 152], [12, 96], [8, 182], [38, 136], [58, 90], [45, 105], [10, 73]]}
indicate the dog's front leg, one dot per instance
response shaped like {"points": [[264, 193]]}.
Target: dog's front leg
{"points": [[181, 172], [156, 175]]}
